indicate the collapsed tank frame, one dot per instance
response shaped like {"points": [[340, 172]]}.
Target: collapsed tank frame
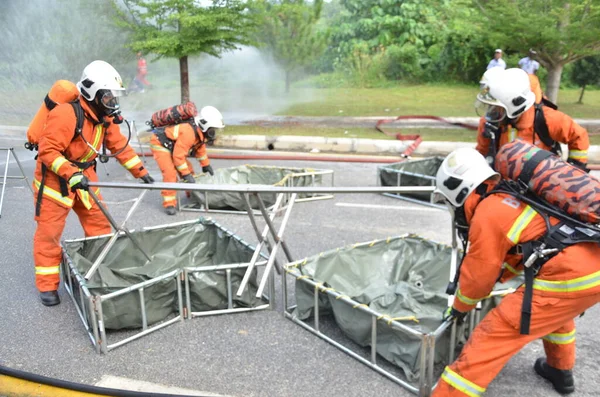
{"points": [[428, 180], [286, 181], [426, 383]]}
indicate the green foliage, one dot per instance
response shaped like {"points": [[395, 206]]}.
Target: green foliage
{"points": [[288, 33], [586, 71], [179, 28]]}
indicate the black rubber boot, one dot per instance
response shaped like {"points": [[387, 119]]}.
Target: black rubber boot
{"points": [[50, 298], [170, 210], [562, 380]]}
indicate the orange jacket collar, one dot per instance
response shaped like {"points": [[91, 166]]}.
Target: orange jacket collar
{"points": [[88, 110]]}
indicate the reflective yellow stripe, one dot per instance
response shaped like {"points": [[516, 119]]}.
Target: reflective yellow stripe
{"points": [[577, 284], [513, 134], [85, 198], [132, 163], [96, 144], [182, 167], [514, 234], [578, 154], [512, 269], [466, 300], [46, 270], [169, 198], [462, 384], [159, 148], [560, 339], [202, 158], [57, 163], [176, 131], [53, 194]]}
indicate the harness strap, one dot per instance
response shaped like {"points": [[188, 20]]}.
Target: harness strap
{"points": [[528, 296], [531, 164], [38, 203], [50, 104]]}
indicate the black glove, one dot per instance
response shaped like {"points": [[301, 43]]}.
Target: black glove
{"points": [[452, 314], [188, 178], [208, 169], [78, 181], [582, 166], [147, 178]]}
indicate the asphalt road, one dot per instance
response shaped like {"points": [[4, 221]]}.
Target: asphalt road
{"points": [[253, 354]]}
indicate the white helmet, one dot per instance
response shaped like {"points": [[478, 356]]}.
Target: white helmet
{"points": [[509, 89], [460, 173], [209, 117], [101, 76]]}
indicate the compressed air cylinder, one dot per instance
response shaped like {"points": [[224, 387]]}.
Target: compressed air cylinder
{"points": [[174, 114]]}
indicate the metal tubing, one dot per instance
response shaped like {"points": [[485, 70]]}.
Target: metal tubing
{"points": [[423, 392], [229, 288], [452, 342], [188, 301], [374, 340], [261, 238], [103, 341], [213, 268], [377, 368], [272, 291], [267, 219], [228, 311], [143, 284], [139, 335], [143, 307], [430, 361], [22, 171], [241, 188], [316, 309], [102, 255], [284, 291], [4, 180], [95, 325], [179, 297]]}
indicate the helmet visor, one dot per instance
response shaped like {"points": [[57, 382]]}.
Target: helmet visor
{"points": [[109, 99], [491, 113]]}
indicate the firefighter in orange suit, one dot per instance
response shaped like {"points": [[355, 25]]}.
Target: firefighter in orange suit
{"points": [[172, 145], [509, 117], [66, 164], [565, 286]]}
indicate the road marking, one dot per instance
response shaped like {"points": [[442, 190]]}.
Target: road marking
{"points": [[117, 382], [387, 207]]}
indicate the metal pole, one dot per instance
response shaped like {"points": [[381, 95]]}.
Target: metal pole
{"points": [[118, 229], [4, 180], [374, 340], [261, 238], [229, 288], [22, 171], [279, 236]]}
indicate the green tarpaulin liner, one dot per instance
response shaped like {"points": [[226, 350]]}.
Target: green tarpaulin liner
{"points": [[201, 243], [411, 173], [254, 175], [403, 278]]}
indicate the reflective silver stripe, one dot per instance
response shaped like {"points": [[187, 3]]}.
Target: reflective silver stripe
{"points": [[53, 194], [132, 163], [574, 285], [560, 339], [462, 384], [159, 148], [57, 163], [578, 154], [182, 167], [514, 234], [465, 299], [47, 270]]}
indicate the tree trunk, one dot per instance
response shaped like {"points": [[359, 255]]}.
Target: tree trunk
{"points": [[185, 79], [288, 80], [580, 101], [553, 82]]}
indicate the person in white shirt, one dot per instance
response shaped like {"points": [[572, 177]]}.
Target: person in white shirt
{"points": [[497, 62], [528, 64]]}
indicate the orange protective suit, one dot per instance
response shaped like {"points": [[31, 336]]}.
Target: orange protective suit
{"points": [[561, 128], [565, 287], [185, 143], [58, 149]]}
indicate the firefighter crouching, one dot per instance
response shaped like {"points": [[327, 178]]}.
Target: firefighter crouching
{"points": [[564, 287], [66, 164], [171, 146], [512, 106]]}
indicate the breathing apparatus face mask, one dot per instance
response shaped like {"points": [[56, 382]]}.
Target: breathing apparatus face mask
{"points": [[210, 136], [108, 103], [492, 113]]}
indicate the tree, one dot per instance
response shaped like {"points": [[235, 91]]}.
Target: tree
{"points": [[180, 28], [288, 32], [560, 31], [586, 71]]}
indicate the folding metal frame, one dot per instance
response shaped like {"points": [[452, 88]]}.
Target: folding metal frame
{"points": [[427, 180], [5, 177], [290, 180]]}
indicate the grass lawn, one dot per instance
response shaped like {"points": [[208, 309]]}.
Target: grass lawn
{"points": [[438, 100], [428, 134]]}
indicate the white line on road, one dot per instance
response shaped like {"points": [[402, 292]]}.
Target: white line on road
{"points": [[387, 207], [117, 382]]}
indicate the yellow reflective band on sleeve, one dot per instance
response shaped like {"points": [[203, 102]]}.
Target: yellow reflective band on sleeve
{"points": [[560, 339], [96, 144], [512, 269], [132, 163], [176, 132], [159, 148], [182, 167], [53, 194], [466, 300], [202, 158], [578, 154], [46, 270], [169, 198], [462, 384], [57, 163], [514, 234], [574, 285]]}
